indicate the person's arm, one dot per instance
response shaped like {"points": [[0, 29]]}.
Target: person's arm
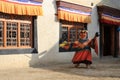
{"points": [[82, 45], [77, 44], [87, 42]]}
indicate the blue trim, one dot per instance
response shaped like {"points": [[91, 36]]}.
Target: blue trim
{"points": [[111, 16], [74, 11], [118, 29], [26, 2]]}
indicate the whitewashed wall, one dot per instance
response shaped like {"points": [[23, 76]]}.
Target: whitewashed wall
{"points": [[48, 38], [48, 30]]}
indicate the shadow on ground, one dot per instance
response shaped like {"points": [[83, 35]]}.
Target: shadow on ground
{"points": [[106, 67]]}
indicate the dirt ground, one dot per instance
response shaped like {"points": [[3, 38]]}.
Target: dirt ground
{"points": [[101, 69]]}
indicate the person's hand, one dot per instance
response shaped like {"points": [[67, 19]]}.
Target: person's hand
{"points": [[97, 34], [76, 42], [81, 45]]}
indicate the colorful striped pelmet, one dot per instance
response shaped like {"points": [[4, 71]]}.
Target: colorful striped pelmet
{"points": [[73, 15], [110, 19], [21, 7]]}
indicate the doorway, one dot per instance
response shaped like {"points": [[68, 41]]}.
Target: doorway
{"points": [[109, 40]]}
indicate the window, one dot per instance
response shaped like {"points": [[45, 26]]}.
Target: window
{"points": [[15, 31], [69, 33], [70, 30]]}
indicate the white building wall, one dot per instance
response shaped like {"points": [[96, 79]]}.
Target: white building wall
{"points": [[48, 37], [49, 27]]}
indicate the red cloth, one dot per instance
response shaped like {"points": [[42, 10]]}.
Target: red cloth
{"points": [[85, 56], [82, 57], [96, 46]]}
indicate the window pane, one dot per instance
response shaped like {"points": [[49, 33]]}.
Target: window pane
{"points": [[1, 34], [73, 34], [12, 28], [64, 34], [25, 34]]}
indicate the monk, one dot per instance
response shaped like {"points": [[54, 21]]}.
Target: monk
{"points": [[84, 45]]}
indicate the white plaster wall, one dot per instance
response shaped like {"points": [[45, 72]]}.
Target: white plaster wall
{"points": [[14, 61], [48, 38], [93, 27], [48, 31]]}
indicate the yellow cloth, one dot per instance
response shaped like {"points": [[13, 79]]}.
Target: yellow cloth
{"points": [[20, 9], [64, 15]]}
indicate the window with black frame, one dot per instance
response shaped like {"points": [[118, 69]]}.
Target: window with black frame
{"points": [[68, 34]]}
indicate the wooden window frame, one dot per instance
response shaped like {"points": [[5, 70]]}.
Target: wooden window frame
{"points": [[18, 46], [71, 25]]}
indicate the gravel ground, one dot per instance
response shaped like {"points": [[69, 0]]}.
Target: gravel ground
{"points": [[101, 69]]}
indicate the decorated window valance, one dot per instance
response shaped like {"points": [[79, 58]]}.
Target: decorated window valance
{"points": [[109, 15], [73, 12], [21, 7]]}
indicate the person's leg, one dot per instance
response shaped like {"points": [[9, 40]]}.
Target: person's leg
{"points": [[87, 65], [76, 65]]}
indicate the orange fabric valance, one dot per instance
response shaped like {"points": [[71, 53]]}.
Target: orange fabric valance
{"points": [[73, 12], [20, 8], [69, 16]]}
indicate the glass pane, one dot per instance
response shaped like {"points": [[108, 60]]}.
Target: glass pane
{"points": [[25, 34], [12, 33], [64, 34], [72, 34], [1, 34]]}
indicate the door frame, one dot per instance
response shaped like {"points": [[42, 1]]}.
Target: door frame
{"points": [[114, 38]]}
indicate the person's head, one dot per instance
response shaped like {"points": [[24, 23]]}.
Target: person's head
{"points": [[83, 34]]}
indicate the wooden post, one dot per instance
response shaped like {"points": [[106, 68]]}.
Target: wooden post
{"points": [[112, 41]]}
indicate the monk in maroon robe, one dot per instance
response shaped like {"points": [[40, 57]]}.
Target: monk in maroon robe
{"points": [[84, 54]]}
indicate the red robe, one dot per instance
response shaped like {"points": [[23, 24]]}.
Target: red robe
{"points": [[84, 55]]}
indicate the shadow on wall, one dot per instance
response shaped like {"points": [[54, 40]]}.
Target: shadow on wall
{"points": [[51, 57], [50, 60]]}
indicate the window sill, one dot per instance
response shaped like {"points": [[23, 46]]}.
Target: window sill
{"points": [[18, 51]]}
